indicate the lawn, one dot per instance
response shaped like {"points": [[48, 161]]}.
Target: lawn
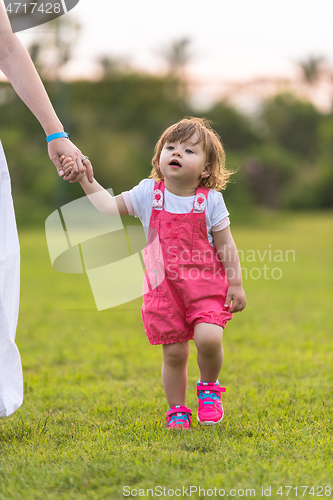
{"points": [[92, 425]]}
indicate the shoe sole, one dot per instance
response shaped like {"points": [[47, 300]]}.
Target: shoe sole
{"points": [[178, 429], [208, 422]]}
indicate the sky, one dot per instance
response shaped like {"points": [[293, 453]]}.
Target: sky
{"points": [[230, 39]]}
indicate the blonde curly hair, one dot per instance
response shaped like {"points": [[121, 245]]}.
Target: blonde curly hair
{"points": [[182, 131]]}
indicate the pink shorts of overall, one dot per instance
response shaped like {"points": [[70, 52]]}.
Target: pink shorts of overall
{"points": [[185, 282]]}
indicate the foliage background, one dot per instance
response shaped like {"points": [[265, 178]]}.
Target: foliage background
{"points": [[281, 152]]}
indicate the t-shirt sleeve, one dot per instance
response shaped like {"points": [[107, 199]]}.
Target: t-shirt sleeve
{"points": [[219, 211], [139, 198], [222, 225]]}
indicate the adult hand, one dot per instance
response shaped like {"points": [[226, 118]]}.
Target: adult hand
{"points": [[63, 146]]}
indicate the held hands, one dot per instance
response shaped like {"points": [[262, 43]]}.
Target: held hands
{"points": [[63, 149], [67, 166], [235, 295]]}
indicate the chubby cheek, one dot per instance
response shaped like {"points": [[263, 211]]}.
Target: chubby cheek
{"points": [[160, 168]]}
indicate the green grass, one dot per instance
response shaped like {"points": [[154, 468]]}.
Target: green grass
{"points": [[93, 416]]}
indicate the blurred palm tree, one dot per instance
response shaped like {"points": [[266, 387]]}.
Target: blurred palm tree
{"points": [[317, 76], [53, 48], [312, 69], [113, 65], [177, 57]]}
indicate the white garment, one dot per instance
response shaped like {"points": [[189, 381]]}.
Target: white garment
{"points": [[141, 197], [11, 379]]}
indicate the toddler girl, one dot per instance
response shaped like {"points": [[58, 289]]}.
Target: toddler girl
{"points": [[193, 278]]}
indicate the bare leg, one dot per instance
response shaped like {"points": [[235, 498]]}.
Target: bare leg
{"points": [[174, 372], [208, 340]]}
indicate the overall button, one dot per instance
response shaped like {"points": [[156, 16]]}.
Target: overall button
{"points": [[175, 217], [174, 236]]}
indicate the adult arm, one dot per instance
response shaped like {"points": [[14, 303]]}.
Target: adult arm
{"points": [[18, 67]]}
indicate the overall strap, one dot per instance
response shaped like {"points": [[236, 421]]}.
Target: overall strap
{"points": [[158, 195], [200, 199]]}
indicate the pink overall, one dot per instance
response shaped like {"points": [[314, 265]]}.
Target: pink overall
{"points": [[185, 282]]}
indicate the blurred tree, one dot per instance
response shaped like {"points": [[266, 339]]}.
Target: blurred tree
{"points": [[268, 172], [312, 185], [177, 57], [318, 77], [325, 160], [236, 130], [54, 47], [113, 65], [292, 124], [311, 69]]}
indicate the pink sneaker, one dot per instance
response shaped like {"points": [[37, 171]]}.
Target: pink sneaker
{"points": [[210, 411], [179, 417]]}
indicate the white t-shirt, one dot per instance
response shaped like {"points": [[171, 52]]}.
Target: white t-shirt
{"points": [[139, 203]]}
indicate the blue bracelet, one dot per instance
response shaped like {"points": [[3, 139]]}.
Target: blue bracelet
{"points": [[57, 136]]}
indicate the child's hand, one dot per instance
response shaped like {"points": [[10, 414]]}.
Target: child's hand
{"points": [[67, 165], [235, 295]]}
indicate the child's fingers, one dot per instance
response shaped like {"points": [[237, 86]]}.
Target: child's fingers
{"points": [[67, 171], [67, 160], [238, 304], [63, 159], [231, 303], [67, 166], [228, 300]]}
